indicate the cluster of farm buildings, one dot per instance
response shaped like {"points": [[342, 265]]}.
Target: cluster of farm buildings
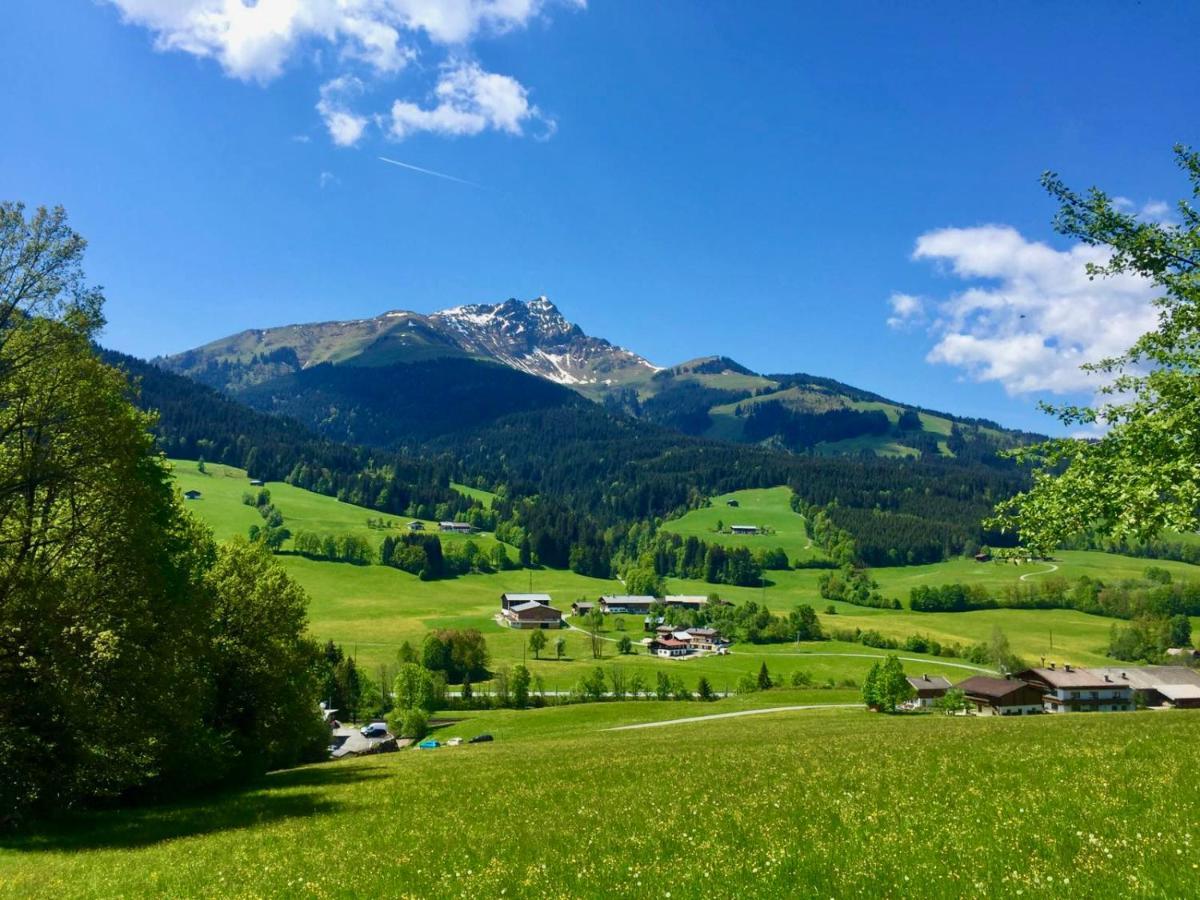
{"points": [[536, 611], [1053, 689]]}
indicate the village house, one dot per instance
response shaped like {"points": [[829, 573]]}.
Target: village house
{"points": [[191, 495], [707, 640], [1071, 689], [257, 482], [532, 615], [628, 605], [929, 690], [668, 645], [743, 529], [456, 527], [1158, 685], [416, 526], [1001, 696], [731, 503], [582, 607], [685, 601], [507, 600]]}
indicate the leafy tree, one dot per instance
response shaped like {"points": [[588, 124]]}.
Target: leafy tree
{"points": [[662, 686], [870, 687], [1179, 632], [952, 702], [643, 582], [801, 678], [595, 622], [616, 676], [200, 467], [414, 688], [537, 642], [408, 723], [592, 685], [637, 685], [891, 688], [1142, 475], [1000, 652], [519, 685], [560, 647], [624, 644]]}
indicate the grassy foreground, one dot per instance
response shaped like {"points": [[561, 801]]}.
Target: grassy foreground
{"points": [[808, 803]]}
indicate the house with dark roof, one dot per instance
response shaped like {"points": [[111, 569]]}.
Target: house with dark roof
{"points": [[582, 607], [1071, 689], [929, 688], [191, 495], [988, 696], [668, 646], [743, 529], [685, 601], [532, 615], [456, 527]]}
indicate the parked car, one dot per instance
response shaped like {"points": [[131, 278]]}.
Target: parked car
{"points": [[454, 742], [374, 730], [429, 744], [481, 739]]}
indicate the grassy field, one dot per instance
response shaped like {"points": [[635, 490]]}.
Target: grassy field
{"points": [[372, 610], [768, 508], [222, 508], [815, 803]]}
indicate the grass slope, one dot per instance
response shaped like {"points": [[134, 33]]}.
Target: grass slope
{"points": [[766, 507], [825, 803]]}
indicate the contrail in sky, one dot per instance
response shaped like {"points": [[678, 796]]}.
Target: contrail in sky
{"points": [[396, 162]]}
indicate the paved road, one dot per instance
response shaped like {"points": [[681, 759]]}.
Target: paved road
{"points": [[913, 659], [1028, 575], [732, 715]]}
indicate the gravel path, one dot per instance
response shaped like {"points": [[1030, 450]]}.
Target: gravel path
{"points": [[732, 715]]}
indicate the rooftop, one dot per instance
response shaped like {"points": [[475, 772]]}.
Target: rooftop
{"points": [[1070, 677], [986, 686]]}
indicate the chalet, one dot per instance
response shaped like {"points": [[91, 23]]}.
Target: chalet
{"points": [[582, 607], [416, 526], [456, 527], [533, 615], [684, 601], [707, 640], [257, 482], [743, 529], [191, 495], [1157, 685], [1001, 696], [929, 690], [627, 604], [731, 503], [509, 600], [983, 557], [1070, 689], [668, 646]]}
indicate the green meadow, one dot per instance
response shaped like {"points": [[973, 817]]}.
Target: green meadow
{"points": [[803, 803], [372, 610], [768, 508]]}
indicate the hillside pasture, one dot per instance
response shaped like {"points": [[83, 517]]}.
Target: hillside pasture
{"points": [[822, 803], [768, 508]]}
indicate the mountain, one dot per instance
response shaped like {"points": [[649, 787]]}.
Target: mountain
{"points": [[319, 372], [532, 337]]}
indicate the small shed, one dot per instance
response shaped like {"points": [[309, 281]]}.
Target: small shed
{"points": [[731, 503], [744, 529], [257, 482], [191, 495]]}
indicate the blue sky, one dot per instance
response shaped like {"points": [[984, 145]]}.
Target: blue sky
{"points": [[848, 192]]}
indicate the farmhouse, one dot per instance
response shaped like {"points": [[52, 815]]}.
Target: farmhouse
{"points": [[416, 526], [1157, 685], [507, 600], [1001, 696], [191, 495], [668, 646], [627, 604], [731, 503], [456, 527], [706, 640], [929, 689], [743, 529], [582, 607], [1078, 690], [685, 601], [533, 615]]}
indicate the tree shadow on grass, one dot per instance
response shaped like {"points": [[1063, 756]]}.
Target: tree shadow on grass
{"points": [[271, 799]]}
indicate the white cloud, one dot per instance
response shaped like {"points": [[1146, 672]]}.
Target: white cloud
{"points": [[1030, 316], [907, 311], [468, 101], [345, 127], [1151, 210], [256, 40]]}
